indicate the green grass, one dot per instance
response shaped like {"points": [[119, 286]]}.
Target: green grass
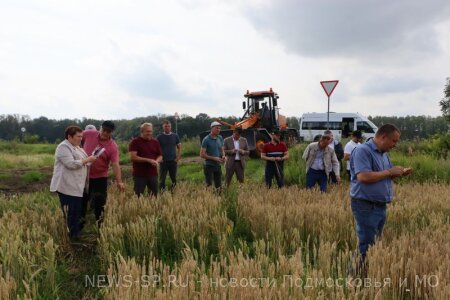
{"points": [[4, 176], [427, 166], [26, 149], [190, 172], [25, 161], [190, 147], [32, 176]]}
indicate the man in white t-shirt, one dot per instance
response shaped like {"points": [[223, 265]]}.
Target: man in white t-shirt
{"points": [[352, 144]]}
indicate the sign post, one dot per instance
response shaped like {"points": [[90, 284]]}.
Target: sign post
{"points": [[328, 87], [23, 129]]}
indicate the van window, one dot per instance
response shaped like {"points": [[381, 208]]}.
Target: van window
{"points": [[347, 126], [321, 125], [364, 127]]}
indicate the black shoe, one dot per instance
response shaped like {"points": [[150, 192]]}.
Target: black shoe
{"points": [[75, 239]]}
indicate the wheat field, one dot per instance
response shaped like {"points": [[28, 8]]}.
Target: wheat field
{"points": [[254, 243], [246, 243]]}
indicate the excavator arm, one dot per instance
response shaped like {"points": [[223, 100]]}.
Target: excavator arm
{"points": [[244, 124]]}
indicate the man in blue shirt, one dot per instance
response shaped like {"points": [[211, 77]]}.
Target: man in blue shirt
{"points": [[371, 184], [171, 151], [213, 153]]}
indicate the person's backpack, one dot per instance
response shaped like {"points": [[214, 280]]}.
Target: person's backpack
{"points": [[339, 150]]}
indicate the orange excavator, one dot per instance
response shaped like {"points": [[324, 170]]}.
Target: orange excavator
{"points": [[260, 118]]}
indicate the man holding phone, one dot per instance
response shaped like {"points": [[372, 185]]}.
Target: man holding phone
{"points": [[371, 185], [101, 144]]}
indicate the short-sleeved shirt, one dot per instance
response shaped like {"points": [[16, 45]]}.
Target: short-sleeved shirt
{"points": [[274, 150], [367, 158], [148, 149], [212, 147], [99, 168], [169, 144], [348, 150]]}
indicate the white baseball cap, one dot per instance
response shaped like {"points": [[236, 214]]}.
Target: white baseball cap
{"points": [[215, 123], [90, 126]]}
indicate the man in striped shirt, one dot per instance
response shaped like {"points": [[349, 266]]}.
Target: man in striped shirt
{"points": [[275, 153]]}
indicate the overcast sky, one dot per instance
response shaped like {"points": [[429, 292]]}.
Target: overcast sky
{"points": [[111, 59]]}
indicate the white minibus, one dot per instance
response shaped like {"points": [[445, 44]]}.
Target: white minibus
{"points": [[312, 125]]}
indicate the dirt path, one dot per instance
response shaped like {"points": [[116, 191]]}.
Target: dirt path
{"points": [[12, 181]]}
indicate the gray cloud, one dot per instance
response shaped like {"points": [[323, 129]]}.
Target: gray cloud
{"points": [[395, 85], [148, 81], [353, 28]]}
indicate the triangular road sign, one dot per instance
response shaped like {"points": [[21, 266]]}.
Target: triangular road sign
{"points": [[328, 86]]}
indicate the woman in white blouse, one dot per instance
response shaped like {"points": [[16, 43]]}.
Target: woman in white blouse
{"points": [[70, 177]]}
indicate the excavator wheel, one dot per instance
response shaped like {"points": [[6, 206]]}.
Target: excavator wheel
{"points": [[261, 137], [291, 137], [259, 146]]}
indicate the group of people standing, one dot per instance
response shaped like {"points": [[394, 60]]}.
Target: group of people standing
{"points": [[323, 159], [233, 152], [83, 159], [368, 167], [148, 153]]}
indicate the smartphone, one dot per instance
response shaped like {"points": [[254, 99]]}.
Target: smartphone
{"points": [[98, 152]]}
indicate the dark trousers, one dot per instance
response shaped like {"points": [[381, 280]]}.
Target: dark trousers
{"points": [[349, 175], [235, 168], [274, 169], [213, 172], [140, 183], [313, 176], [171, 167], [72, 205], [332, 177], [97, 194], [84, 207]]}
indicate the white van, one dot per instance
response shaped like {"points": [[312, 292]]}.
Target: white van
{"points": [[312, 125]]}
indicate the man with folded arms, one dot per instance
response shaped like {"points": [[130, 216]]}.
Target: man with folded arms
{"points": [[236, 151]]}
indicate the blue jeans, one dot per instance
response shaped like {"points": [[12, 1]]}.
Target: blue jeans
{"points": [[73, 206], [313, 176], [370, 219]]}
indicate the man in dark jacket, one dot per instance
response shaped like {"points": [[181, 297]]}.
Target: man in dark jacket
{"points": [[339, 151]]}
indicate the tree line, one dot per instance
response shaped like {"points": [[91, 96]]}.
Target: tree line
{"points": [[42, 129]]}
